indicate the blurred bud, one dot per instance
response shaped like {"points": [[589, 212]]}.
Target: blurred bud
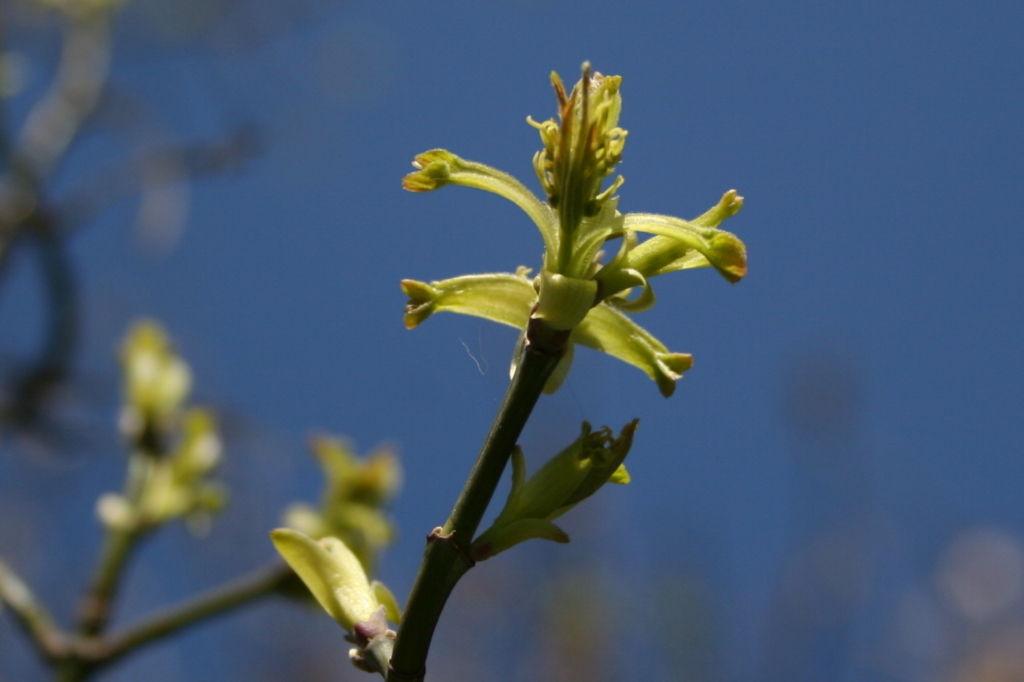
{"points": [[82, 8], [156, 380], [571, 476], [115, 512], [356, 492], [178, 485]]}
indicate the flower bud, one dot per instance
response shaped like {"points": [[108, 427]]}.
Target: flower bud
{"points": [[568, 478]]}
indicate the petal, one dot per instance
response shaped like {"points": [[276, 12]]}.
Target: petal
{"points": [[722, 249], [644, 301], [439, 167], [501, 297], [387, 600], [620, 476], [331, 572], [610, 331]]}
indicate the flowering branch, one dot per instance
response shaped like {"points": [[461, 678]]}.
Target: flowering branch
{"points": [[577, 298]]}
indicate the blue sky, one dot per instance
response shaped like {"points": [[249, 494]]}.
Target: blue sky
{"points": [[881, 153]]}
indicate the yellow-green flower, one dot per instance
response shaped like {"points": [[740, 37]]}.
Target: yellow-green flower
{"points": [[156, 380], [577, 291]]}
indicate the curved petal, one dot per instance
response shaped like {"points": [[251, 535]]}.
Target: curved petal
{"points": [[644, 300], [331, 572], [387, 600], [439, 167], [501, 297], [722, 249], [610, 331]]}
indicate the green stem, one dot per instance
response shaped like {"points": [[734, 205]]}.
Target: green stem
{"points": [[216, 601], [118, 543], [445, 560], [78, 658], [31, 615]]}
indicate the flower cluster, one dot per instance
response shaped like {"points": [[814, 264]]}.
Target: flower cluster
{"points": [[576, 291], [179, 445]]}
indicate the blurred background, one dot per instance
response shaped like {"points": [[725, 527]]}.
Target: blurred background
{"points": [[834, 491]]}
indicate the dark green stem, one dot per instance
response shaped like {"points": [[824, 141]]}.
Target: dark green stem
{"points": [[445, 560]]}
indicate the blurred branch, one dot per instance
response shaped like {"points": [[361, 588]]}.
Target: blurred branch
{"points": [[54, 122], [118, 543], [30, 614], [27, 217], [78, 658], [169, 163], [34, 384], [49, 129], [216, 601]]}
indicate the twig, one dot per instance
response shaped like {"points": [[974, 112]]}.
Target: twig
{"points": [[445, 560], [31, 615], [54, 122], [50, 128], [118, 543], [216, 601], [176, 162]]}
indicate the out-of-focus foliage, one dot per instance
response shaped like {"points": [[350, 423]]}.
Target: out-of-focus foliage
{"points": [[178, 447], [83, 7], [356, 495]]}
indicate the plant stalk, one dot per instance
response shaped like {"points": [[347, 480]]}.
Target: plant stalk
{"points": [[214, 602], [446, 560], [30, 614]]}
